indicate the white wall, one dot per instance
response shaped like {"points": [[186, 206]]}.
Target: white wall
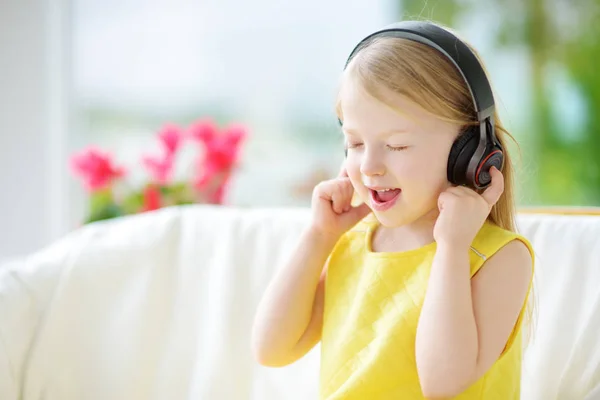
{"points": [[32, 124]]}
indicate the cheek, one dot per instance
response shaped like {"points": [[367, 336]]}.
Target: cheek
{"points": [[421, 166], [437, 175], [424, 170], [353, 171]]}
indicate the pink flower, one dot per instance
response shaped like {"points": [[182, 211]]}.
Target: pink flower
{"points": [[159, 168], [218, 196], [221, 156], [96, 168], [222, 151], [171, 137], [203, 131], [152, 198], [234, 135]]}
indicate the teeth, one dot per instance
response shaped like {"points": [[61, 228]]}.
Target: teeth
{"points": [[384, 190]]}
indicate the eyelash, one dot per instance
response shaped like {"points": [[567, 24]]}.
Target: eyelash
{"points": [[398, 148], [392, 148]]}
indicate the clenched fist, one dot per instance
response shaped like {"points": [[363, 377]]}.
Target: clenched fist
{"points": [[332, 211]]}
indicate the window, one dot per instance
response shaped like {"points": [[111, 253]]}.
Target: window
{"points": [[270, 65]]}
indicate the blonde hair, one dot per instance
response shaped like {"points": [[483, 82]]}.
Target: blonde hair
{"points": [[427, 78]]}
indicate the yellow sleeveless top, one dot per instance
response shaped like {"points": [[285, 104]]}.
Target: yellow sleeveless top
{"points": [[372, 306]]}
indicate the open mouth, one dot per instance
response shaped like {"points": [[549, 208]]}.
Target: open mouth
{"points": [[383, 199]]}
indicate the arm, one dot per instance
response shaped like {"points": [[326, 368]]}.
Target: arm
{"points": [[290, 315], [465, 323]]}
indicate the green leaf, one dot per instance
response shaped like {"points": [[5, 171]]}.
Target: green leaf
{"points": [[109, 211], [133, 203]]}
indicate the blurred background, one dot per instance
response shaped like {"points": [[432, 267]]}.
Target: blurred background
{"points": [[113, 74]]}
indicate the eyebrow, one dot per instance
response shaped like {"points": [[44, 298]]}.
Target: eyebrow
{"points": [[387, 133]]}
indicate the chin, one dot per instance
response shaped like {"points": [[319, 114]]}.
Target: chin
{"points": [[392, 220], [395, 218]]}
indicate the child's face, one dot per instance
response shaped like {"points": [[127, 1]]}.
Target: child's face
{"points": [[387, 149]]}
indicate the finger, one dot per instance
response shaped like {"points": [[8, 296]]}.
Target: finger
{"points": [[360, 212], [348, 200], [335, 202], [445, 197], [464, 191], [452, 192], [343, 173], [356, 200], [325, 190], [343, 199], [492, 194], [346, 190], [338, 198], [459, 191]]}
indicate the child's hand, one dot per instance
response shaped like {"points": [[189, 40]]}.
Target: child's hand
{"points": [[463, 211], [332, 212]]}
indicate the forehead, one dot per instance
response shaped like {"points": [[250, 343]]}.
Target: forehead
{"points": [[359, 108], [384, 110]]}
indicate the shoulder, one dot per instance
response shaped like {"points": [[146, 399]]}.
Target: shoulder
{"points": [[502, 262], [494, 242], [514, 258], [508, 260]]}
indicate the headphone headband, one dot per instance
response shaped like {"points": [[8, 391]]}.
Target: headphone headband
{"points": [[453, 49]]}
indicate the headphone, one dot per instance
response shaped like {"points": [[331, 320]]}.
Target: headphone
{"points": [[472, 154]]}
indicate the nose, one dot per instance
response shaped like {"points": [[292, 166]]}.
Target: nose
{"points": [[372, 164]]}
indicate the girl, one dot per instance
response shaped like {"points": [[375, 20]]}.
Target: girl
{"points": [[426, 299]]}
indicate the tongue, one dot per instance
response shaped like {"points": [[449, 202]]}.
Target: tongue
{"points": [[387, 195]]}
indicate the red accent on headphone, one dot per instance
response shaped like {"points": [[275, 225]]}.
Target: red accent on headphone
{"points": [[483, 163]]}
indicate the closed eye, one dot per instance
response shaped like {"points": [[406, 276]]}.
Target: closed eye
{"points": [[397, 148], [351, 145]]}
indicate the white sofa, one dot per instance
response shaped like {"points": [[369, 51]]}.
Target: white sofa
{"points": [[160, 306]]}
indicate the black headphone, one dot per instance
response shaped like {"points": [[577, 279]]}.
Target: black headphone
{"points": [[471, 155]]}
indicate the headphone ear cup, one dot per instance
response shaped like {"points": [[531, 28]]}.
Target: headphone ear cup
{"points": [[493, 158], [461, 153]]}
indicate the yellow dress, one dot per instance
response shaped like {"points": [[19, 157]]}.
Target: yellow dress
{"points": [[372, 306]]}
